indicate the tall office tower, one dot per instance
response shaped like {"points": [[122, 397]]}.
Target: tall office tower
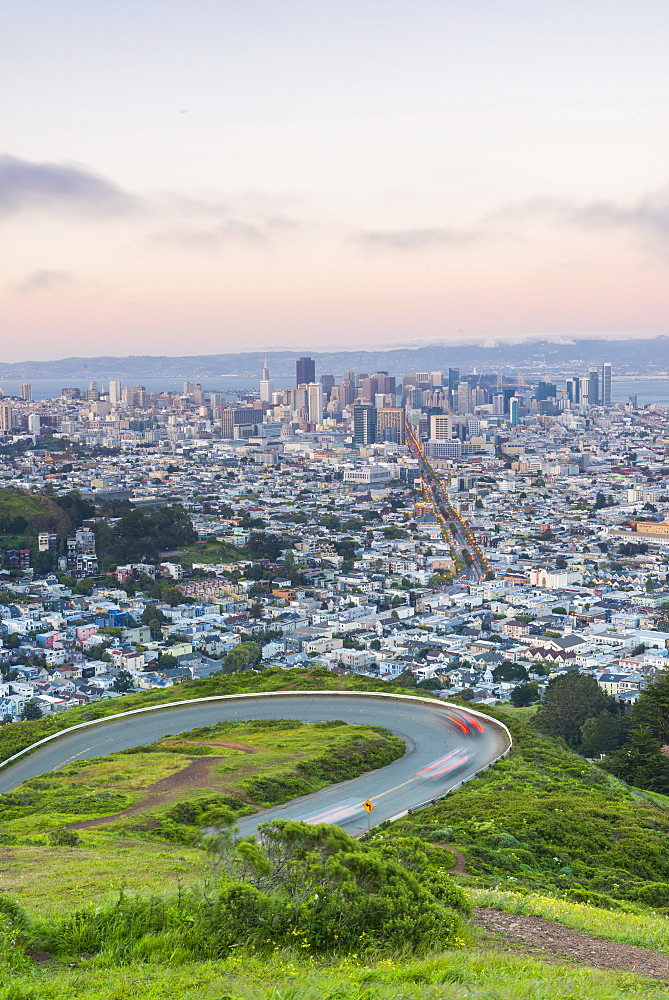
{"points": [[583, 391], [92, 392], [305, 371], [573, 390], [605, 390], [437, 379], [390, 424], [189, 389], [328, 382], [239, 416], [215, 399], [441, 428], [545, 390], [385, 383], [315, 402], [514, 411], [453, 379], [346, 392], [34, 423], [423, 378], [368, 389], [114, 392], [593, 387], [198, 395], [266, 384], [463, 393], [498, 405], [364, 424], [27, 392], [139, 396], [6, 417]]}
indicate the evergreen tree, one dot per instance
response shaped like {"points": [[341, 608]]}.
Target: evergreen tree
{"points": [[641, 762], [570, 700]]}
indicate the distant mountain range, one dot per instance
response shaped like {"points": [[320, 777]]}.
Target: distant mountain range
{"points": [[632, 357]]}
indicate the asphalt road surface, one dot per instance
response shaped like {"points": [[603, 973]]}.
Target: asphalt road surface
{"points": [[432, 731]]}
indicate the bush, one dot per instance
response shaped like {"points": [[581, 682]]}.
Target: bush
{"points": [[314, 887], [64, 838]]}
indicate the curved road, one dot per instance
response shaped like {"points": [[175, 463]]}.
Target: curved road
{"points": [[432, 731]]}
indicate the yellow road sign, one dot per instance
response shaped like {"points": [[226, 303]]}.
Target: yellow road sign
{"points": [[367, 806]]}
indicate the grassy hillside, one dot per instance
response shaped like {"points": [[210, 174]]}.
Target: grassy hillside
{"points": [[545, 820], [544, 833], [23, 513], [81, 826], [22, 734]]}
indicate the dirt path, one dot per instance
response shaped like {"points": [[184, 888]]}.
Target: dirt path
{"points": [[167, 790], [550, 941]]}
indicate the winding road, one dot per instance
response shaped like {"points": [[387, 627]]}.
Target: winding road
{"points": [[445, 744]]}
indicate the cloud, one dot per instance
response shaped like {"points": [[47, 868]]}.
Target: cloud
{"points": [[416, 239], [27, 186], [647, 217], [233, 231], [42, 281]]}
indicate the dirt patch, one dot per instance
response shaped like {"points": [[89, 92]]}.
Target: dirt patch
{"points": [[550, 941], [460, 866], [167, 790], [244, 747], [40, 957]]}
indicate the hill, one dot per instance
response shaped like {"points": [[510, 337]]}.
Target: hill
{"points": [[533, 356], [544, 834]]}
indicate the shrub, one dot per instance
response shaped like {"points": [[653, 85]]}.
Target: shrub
{"points": [[64, 838]]}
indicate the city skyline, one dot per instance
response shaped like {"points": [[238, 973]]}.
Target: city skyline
{"points": [[313, 176]]}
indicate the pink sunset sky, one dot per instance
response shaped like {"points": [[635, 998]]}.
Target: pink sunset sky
{"points": [[201, 177]]}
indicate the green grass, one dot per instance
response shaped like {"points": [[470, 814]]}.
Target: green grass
{"points": [[47, 879], [646, 930], [20, 735], [477, 975], [209, 552], [288, 758], [545, 820]]}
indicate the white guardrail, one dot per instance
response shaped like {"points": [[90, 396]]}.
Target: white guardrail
{"points": [[432, 702]]}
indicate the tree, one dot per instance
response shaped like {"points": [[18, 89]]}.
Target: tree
{"points": [[257, 610], [406, 679], [242, 657], [525, 694], [31, 711], [123, 682], [602, 734], [152, 614], [652, 709], [569, 700], [510, 671], [641, 762]]}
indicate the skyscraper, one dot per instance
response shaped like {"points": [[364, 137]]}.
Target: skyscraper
{"points": [[593, 388], [305, 371], [364, 424], [266, 385], [390, 424], [114, 392], [573, 390], [315, 402], [606, 384], [27, 392], [514, 411]]}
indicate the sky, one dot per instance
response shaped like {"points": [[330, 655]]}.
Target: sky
{"points": [[206, 176]]}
